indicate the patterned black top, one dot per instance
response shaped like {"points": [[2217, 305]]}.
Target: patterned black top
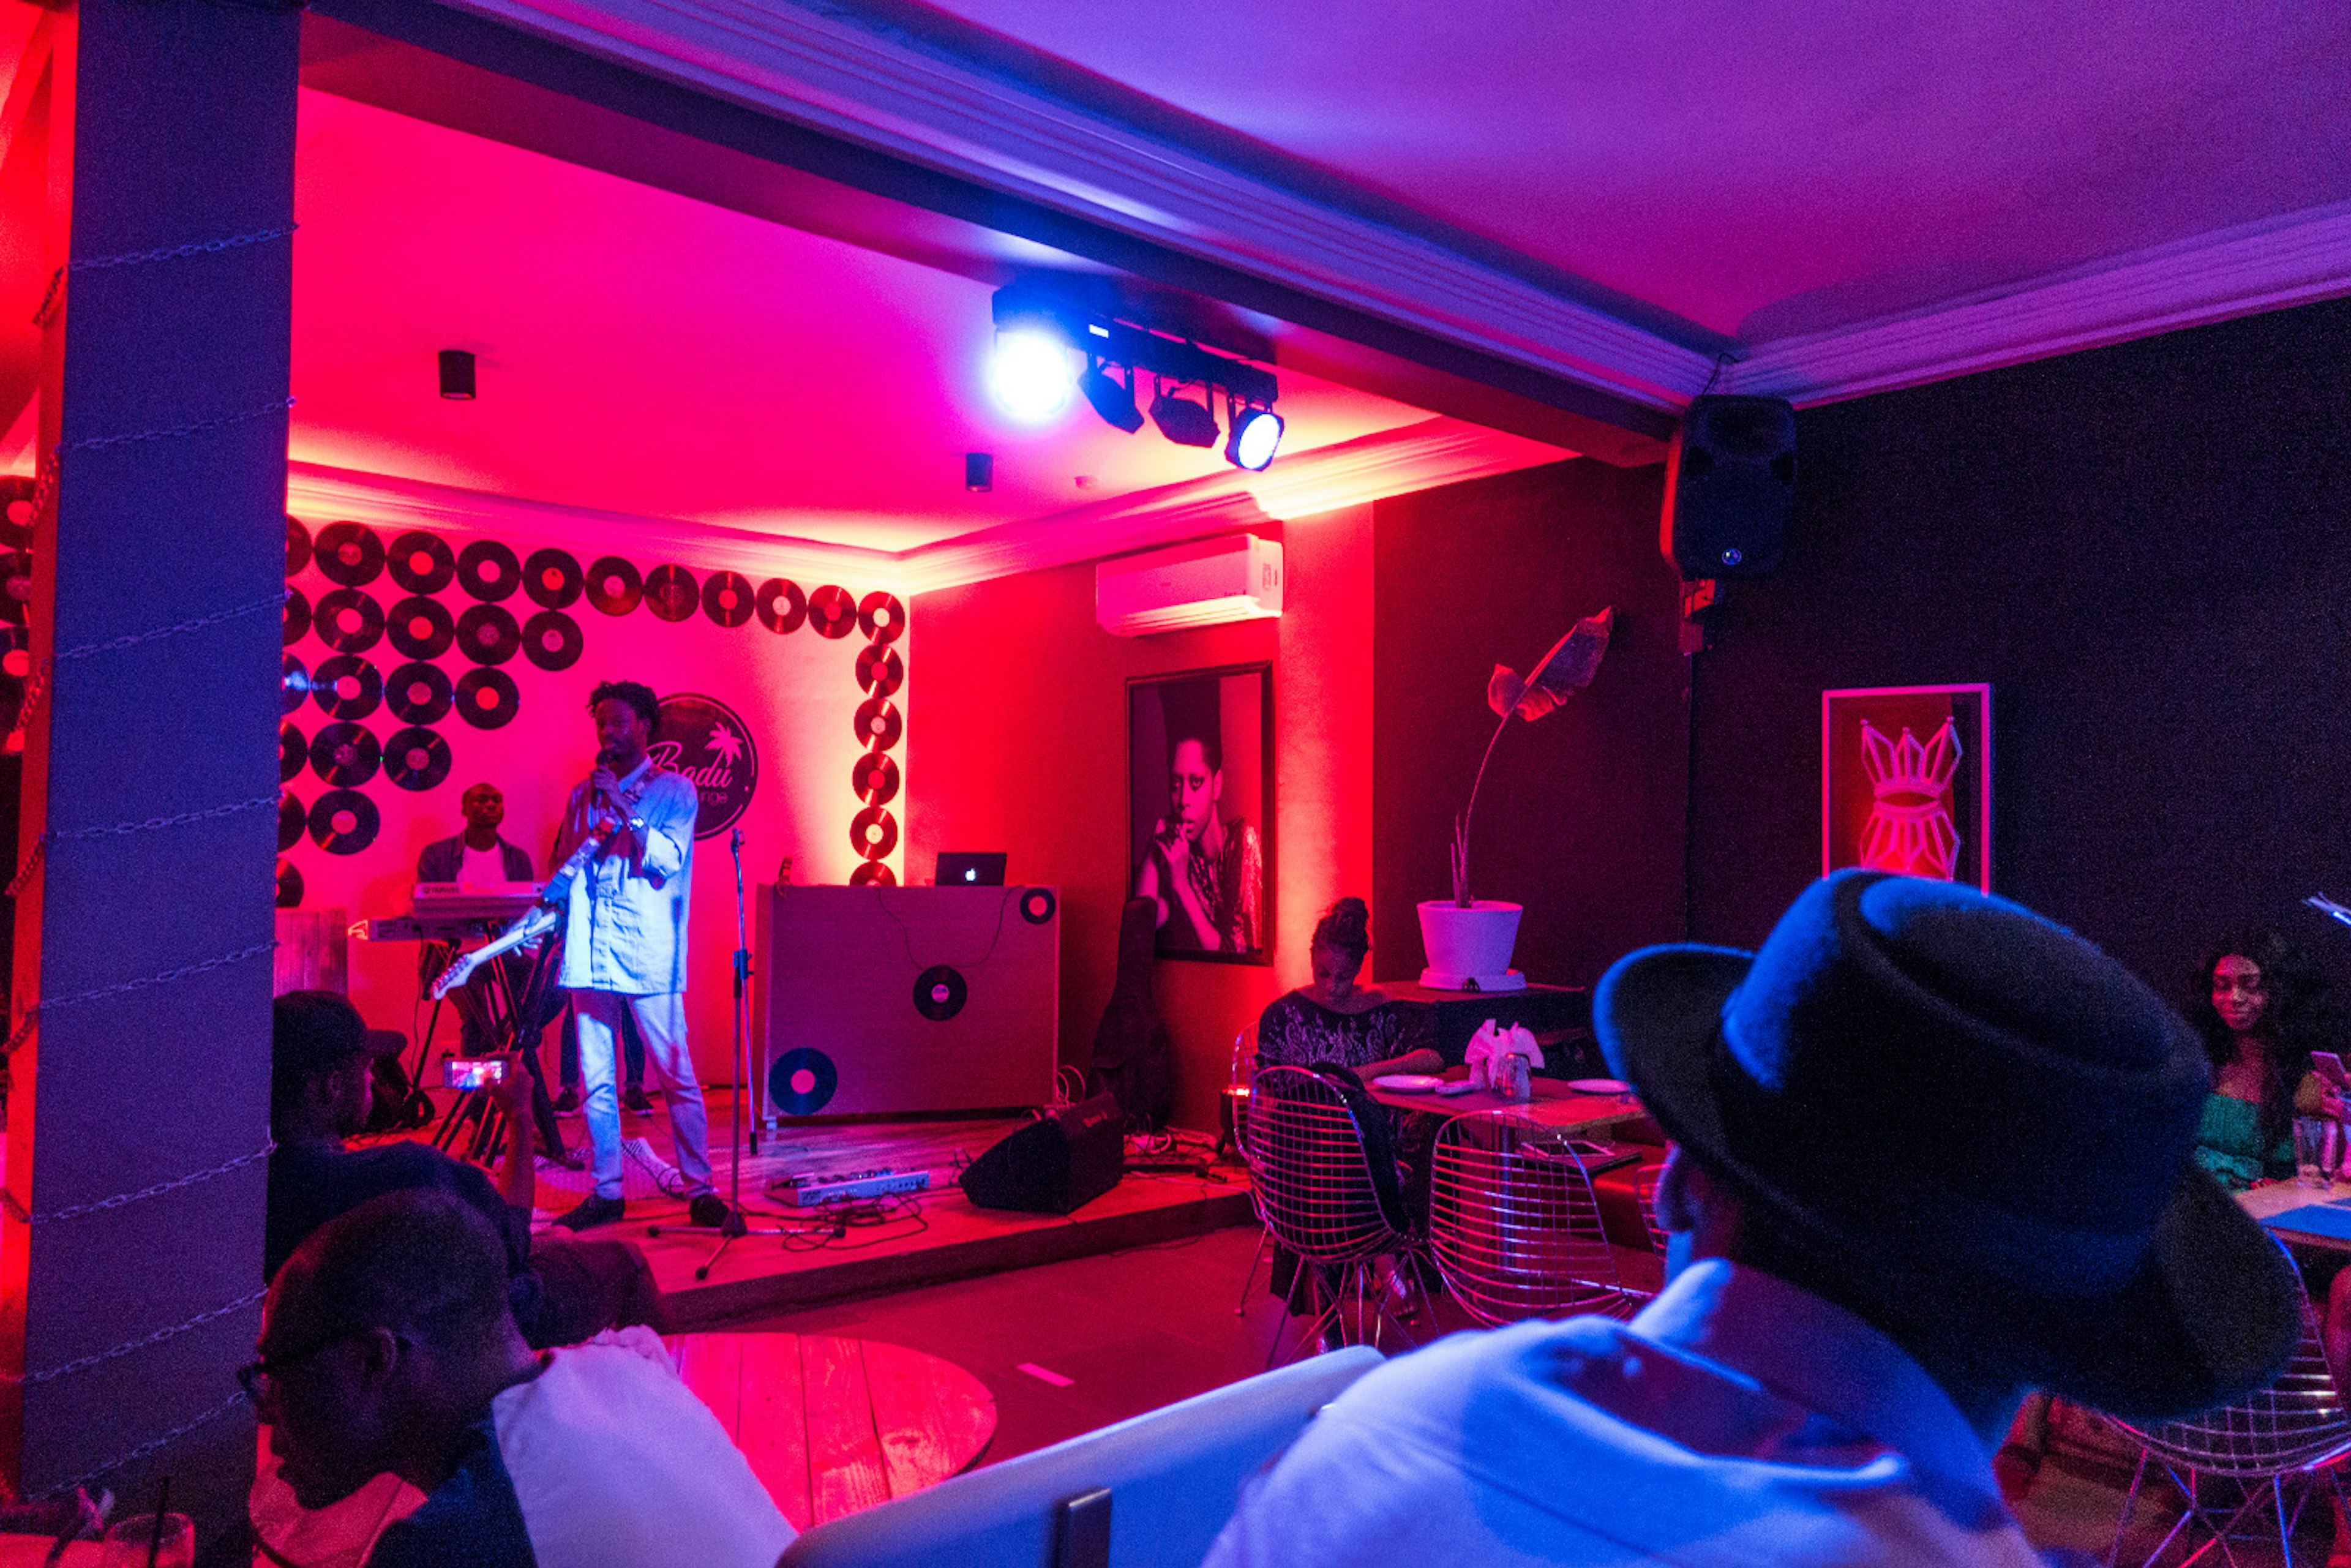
{"points": [[1296, 1031]]}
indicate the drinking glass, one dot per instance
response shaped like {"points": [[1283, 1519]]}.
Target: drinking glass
{"points": [[2312, 1138], [129, 1542]]}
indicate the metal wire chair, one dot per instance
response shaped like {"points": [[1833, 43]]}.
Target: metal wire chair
{"points": [[1515, 1226], [2279, 1446], [1324, 1181], [1645, 1188]]}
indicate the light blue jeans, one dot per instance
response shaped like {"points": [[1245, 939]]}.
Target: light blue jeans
{"points": [[660, 1023]]}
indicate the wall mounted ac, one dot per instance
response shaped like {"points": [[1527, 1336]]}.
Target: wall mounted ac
{"points": [[1208, 583]]}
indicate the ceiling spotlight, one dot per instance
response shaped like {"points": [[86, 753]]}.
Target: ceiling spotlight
{"points": [[457, 376], [1256, 437], [1029, 374], [1185, 423], [1112, 400]]}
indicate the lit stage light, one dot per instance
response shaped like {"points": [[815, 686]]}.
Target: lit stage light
{"points": [[1113, 401], [1029, 374], [1256, 437], [1185, 423]]}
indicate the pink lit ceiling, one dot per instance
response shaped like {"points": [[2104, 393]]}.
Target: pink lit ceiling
{"points": [[644, 352], [1756, 171]]}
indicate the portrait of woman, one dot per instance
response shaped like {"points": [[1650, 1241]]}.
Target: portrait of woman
{"points": [[1199, 783]]}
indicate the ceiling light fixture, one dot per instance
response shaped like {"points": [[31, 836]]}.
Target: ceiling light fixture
{"points": [[457, 376], [1256, 436], [1113, 399], [1029, 374], [1184, 423]]}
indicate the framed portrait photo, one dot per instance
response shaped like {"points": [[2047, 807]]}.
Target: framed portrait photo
{"points": [[1199, 810], [1905, 782]]}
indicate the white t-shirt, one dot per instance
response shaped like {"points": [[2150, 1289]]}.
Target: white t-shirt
{"points": [[483, 865]]}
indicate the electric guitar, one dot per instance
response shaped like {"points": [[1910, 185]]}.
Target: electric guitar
{"points": [[541, 920]]}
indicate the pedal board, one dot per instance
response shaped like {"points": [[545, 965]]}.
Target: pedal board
{"points": [[816, 1188]]}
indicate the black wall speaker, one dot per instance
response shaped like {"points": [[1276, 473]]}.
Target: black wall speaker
{"points": [[1055, 1163], [1730, 484]]}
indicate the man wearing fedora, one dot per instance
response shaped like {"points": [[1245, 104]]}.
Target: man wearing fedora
{"points": [[1930, 1151]]}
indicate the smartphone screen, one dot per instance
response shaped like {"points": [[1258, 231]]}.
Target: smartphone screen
{"points": [[2329, 1066], [473, 1074]]}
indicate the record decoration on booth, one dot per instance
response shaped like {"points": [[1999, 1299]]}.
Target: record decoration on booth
{"points": [[671, 593], [297, 614], [874, 832], [421, 562], [293, 753], [292, 818], [553, 579], [726, 598], [488, 634], [348, 620], [940, 992], [348, 554], [831, 612], [878, 725], [488, 570], [801, 1082], [708, 742], [415, 757], [487, 699], [346, 687], [873, 873], [1036, 904], [298, 545], [551, 640], [421, 628], [613, 586], [345, 755], [418, 692], [289, 885], [781, 606], [879, 670], [344, 821], [882, 617], [875, 778], [293, 687]]}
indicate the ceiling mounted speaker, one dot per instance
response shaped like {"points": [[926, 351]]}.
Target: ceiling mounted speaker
{"points": [[1730, 487]]}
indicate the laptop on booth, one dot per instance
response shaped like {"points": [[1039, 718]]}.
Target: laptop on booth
{"points": [[961, 868]]}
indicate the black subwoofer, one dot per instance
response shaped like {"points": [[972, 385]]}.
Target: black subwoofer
{"points": [[1730, 484]]}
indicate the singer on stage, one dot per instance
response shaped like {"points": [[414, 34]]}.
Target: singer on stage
{"points": [[624, 941]]}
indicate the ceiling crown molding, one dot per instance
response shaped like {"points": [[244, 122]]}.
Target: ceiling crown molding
{"points": [[797, 65], [2294, 260]]}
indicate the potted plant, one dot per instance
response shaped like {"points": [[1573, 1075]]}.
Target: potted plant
{"points": [[1468, 939]]}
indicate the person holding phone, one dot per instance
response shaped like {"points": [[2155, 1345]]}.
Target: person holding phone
{"points": [[2259, 1009]]}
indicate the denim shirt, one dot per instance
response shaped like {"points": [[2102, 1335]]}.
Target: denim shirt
{"points": [[624, 917]]}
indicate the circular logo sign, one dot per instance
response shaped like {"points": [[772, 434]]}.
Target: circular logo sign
{"points": [[703, 739]]}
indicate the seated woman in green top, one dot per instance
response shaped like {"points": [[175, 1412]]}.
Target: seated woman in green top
{"points": [[2257, 1009]]}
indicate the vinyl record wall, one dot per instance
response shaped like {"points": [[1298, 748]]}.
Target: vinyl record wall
{"points": [[419, 662]]}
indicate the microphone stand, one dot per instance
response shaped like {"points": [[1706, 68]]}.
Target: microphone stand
{"points": [[736, 1225]]}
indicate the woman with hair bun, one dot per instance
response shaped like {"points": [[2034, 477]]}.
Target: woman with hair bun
{"points": [[1334, 1022]]}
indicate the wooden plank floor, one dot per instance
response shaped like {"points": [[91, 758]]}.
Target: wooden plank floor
{"points": [[835, 1425]]}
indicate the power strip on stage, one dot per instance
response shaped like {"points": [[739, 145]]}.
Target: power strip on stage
{"points": [[813, 1189]]}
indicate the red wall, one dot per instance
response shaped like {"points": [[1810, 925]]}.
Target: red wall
{"points": [[1017, 741]]}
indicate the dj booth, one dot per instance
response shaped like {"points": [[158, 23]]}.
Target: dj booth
{"points": [[899, 1000]]}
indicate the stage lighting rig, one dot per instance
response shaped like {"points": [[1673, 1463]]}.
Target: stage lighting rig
{"points": [[1051, 338]]}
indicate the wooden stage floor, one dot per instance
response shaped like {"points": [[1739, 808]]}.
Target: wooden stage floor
{"points": [[936, 1235]]}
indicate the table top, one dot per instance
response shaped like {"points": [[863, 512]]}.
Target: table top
{"points": [[1555, 1105], [2279, 1197], [1413, 991]]}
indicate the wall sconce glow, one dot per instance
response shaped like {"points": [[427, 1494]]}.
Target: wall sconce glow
{"points": [[1030, 374], [1256, 437]]}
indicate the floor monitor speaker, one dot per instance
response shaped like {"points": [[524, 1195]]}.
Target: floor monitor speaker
{"points": [[1060, 1160], [1730, 484]]}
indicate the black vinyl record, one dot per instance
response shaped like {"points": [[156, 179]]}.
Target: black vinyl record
{"points": [[881, 617], [298, 614], [488, 634], [15, 585], [421, 562], [487, 699], [294, 685], [551, 640], [344, 821], [873, 873], [298, 545], [421, 628], [877, 724], [1036, 904], [345, 755], [726, 598], [880, 670], [346, 687], [289, 885], [417, 692], [293, 753], [873, 832], [875, 778], [15, 653], [781, 605], [348, 554], [832, 612], [291, 819], [415, 757], [939, 993], [613, 585], [348, 619], [670, 592], [489, 570], [553, 578], [801, 1082]]}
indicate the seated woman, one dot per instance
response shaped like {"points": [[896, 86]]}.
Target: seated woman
{"points": [[2256, 1005], [1334, 1022]]}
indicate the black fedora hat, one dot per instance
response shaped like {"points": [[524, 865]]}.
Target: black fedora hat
{"points": [[1959, 1095]]}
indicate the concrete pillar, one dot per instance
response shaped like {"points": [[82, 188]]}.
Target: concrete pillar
{"points": [[154, 610]]}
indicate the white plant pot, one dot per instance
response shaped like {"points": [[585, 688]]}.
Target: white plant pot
{"points": [[1469, 949]]}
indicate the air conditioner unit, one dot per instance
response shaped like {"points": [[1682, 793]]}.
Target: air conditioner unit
{"points": [[1235, 578]]}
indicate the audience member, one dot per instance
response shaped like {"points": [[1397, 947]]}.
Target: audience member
{"points": [[1335, 1021], [386, 1345], [319, 1089], [1930, 1151], [2257, 1004]]}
